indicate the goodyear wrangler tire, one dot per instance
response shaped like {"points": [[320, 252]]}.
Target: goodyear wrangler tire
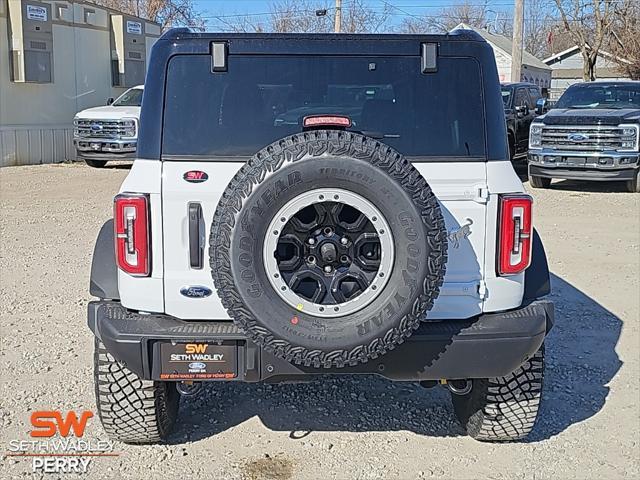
{"points": [[327, 248], [132, 410], [505, 408]]}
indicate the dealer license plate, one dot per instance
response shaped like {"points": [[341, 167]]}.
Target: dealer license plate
{"points": [[198, 361]]}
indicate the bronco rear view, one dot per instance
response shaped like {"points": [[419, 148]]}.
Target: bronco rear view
{"points": [[320, 204]]}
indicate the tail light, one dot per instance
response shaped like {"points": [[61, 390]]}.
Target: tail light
{"points": [[514, 247], [131, 221]]}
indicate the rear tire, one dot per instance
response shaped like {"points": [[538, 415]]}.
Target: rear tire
{"points": [[503, 408], [96, 163], [132, 410], [539, 182], [633, 186]]}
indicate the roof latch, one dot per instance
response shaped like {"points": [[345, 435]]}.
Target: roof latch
{"points": [[219, 54], [429, 57]]}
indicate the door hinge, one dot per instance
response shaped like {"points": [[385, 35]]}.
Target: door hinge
{"points": [[482, 194], [482, 290]]}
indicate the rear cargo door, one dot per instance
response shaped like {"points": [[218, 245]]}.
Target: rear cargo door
{"points": [[215, 121], [462, 191]]}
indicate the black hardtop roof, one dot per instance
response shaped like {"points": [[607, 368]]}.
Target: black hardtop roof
{"points": [[456, 43], [185, 34]]}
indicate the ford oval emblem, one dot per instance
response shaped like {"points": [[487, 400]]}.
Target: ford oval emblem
{"points": [[197, 365], [195, 291], [96, 127], [577, 137], [195, 176]]}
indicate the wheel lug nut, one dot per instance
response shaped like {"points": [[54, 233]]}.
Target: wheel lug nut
{"points": [[311, 241], [328, 268], [344, 240], [311, 259]]}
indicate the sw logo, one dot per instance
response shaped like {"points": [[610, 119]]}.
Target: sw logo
{"points": [[195, 176], [195, 348], [48, 423]]}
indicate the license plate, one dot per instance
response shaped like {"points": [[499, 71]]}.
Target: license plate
{"points": [[95, 146], [198, 361], [575, 161]]}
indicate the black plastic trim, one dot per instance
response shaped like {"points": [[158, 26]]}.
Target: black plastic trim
{"points": [[104, 272], [537, 281], [243, 159], [196, 244], [489, 345]]}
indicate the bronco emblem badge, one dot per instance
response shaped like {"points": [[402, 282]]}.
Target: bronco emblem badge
{"points": [[460, 234]]}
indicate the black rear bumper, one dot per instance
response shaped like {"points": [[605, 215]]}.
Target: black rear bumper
{"points": [[489, 345]]}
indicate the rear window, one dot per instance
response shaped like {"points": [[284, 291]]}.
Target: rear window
{"points": [[263, 98]]}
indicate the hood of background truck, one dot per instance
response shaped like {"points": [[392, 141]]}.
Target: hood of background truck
{"points": [[108, 112], [591, 116]]}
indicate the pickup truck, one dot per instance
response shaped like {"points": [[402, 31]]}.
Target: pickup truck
{"points": [[591, 134], [108, 132], [519, 101]]}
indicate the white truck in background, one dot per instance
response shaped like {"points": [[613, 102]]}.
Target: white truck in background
{"points": [[109, 132]]}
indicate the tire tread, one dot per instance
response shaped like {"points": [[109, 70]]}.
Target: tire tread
{"points": [[132, 410], [292, 149]]}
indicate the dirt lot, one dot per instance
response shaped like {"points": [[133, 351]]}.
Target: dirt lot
{"points": [[343, 428]]}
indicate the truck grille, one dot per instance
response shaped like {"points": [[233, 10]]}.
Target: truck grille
{"points": [[101, 128], [584, 139]]}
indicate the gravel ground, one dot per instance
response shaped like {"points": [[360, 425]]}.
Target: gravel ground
{"points": [[339, 428]]}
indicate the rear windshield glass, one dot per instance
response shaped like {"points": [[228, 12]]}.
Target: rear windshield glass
{"points": [[263, 98]]}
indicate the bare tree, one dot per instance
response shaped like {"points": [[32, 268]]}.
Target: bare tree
{"points": [[357, 17], [310, 16], [299, 16], [625, 38], [473, 14], [589, 23], [168, 13]]}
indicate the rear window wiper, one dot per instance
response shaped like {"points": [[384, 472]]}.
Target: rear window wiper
{"points": [[378, 135]]}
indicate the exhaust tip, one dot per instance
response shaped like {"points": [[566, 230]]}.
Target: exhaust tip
{"points": [[460, 387]]}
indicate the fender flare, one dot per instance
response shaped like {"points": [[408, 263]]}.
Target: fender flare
{"points": [[536, 278], [104, 272]]}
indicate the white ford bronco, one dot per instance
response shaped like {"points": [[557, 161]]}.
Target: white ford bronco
{"points": [[109, 132], [320, 204]]}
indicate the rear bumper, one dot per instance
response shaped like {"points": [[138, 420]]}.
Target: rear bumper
{"points": [[489, 345]]}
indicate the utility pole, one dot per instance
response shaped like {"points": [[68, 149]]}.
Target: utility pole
{"points": [[338, 22], [516, 51]]}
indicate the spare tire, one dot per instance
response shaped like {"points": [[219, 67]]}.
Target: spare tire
{"points": [[328, 248]]}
